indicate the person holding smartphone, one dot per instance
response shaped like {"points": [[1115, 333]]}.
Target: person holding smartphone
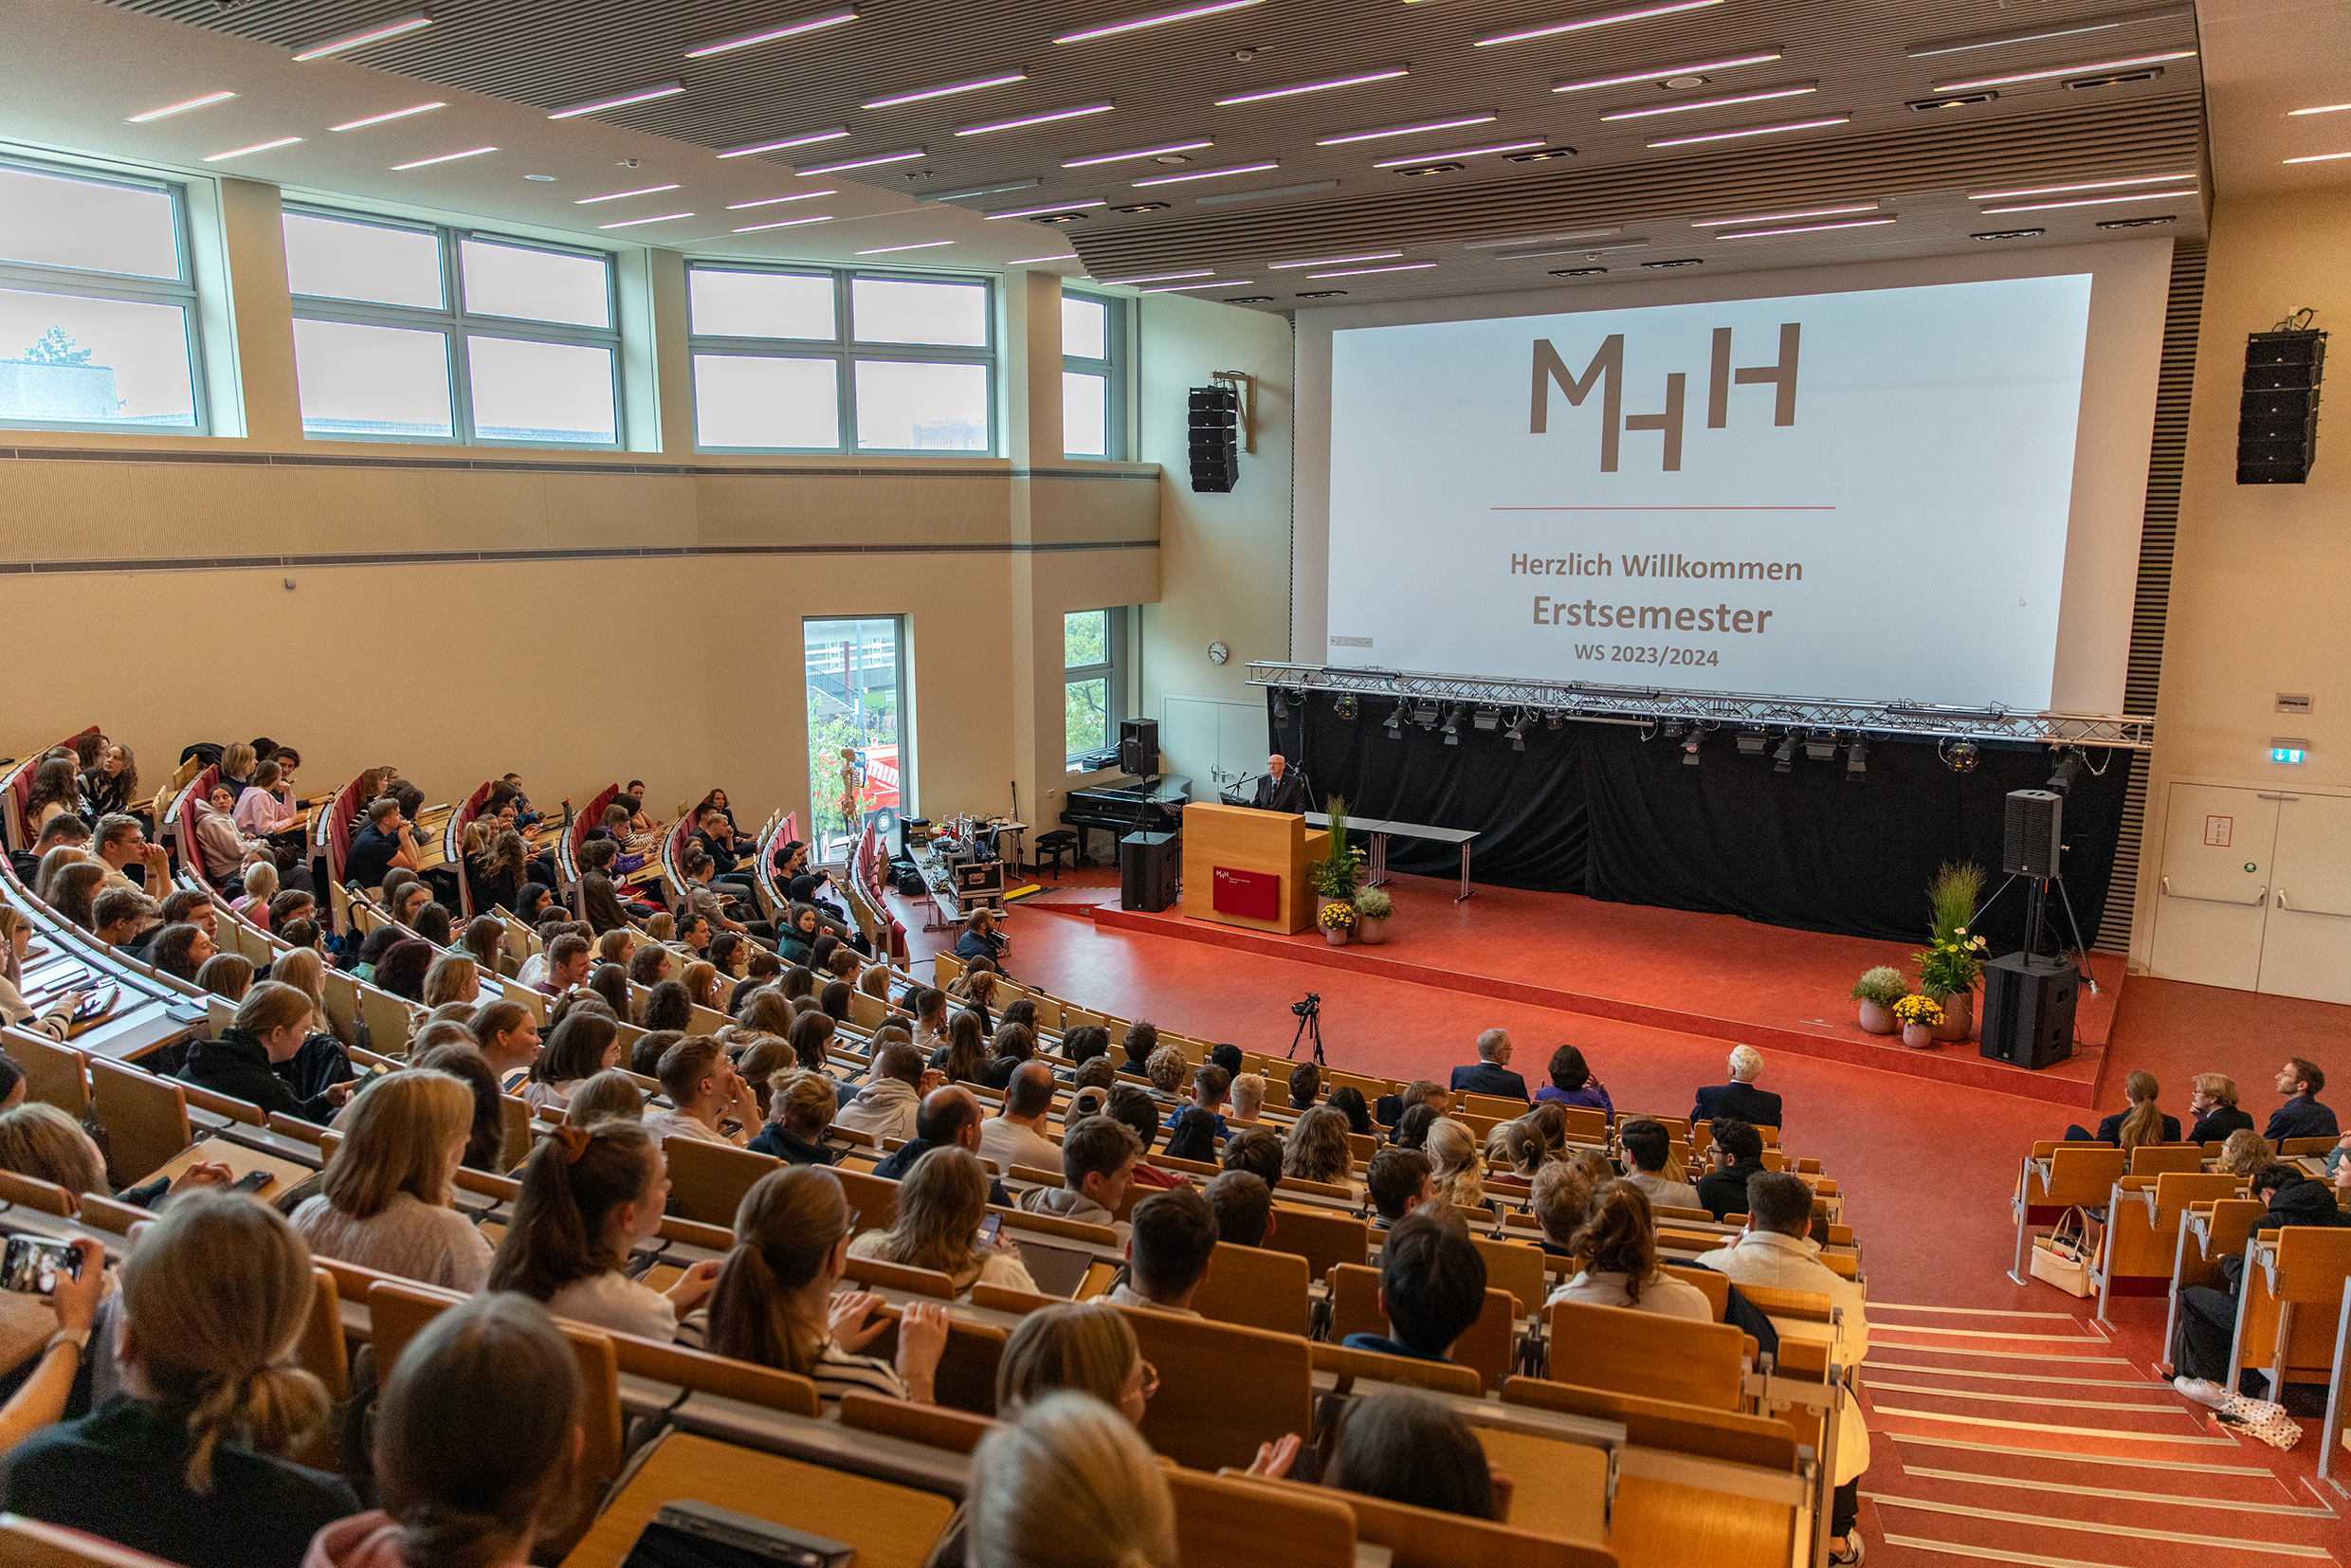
{"points": [[75, 1290]]}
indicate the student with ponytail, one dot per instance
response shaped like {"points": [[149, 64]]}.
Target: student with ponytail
{"points": [[774, 1302], [589, 1195], [475, 1437], [1619, 1244], [2144, 1121], [183, 1463]]}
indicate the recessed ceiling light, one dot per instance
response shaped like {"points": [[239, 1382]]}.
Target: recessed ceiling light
{"points": [[1417, 170], [1683, 83], [543, 179], [378, 120], [1137, 152], [2009, 234], [1753, 131], [2320, 157], [1070, 206], [919, 245], [2138, 223], [1544, 239], [785, 223], [1690, 103], [1135, 207], [257, 147], [867, 162], [1000, 79], [1806, 228], [1951, 100], [1250, 299], [1168, 277], [2059, 29], [1667, 72], [1786, 217], [1032, 261], [2322, 109], [1462, 152], [2112, 78], [1153, 19], [1323, 294], [1580, 272], [619, 195], [1408, 130], [631, 223], [179, 108], [2086, 185], [1334, 260], [2097, 201], [995, 188], [444, 157], [1361, 271], [1209, 174], [618, 101], [1543, 155], [768, 35], [835, 134], [1036, 119], [1578, 24], [2053, 72], [1294, 89], [376, 34], [1687, 261], [1051, 218], [1221, 282], [771, 201]]}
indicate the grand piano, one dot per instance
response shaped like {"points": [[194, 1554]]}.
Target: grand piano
{"points": [[1130, 805]]}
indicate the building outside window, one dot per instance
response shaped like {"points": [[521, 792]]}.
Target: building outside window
{"points": [[1094, 679]]}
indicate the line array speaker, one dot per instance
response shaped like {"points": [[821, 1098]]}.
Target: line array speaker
{"points": [[2029, 844], [1215, 438], [2277, 426]]}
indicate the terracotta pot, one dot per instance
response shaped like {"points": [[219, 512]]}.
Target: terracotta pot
{"points": [[1959, 1016], [1322, 904], [1335, 935], [1918, 1036], [1371, 933], [1879, 1020]]}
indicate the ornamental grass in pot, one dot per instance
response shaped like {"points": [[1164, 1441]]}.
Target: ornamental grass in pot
{"points": [[1371, 909], [1877, 990]]}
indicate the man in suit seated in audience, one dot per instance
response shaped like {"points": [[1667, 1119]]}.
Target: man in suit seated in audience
{"points": [[1740, 1097], [1420, 1091], [1399, 1181], [949, 1118], [1098, 1160], [709, 1101], [1167, 1253], [1015, 1135], [887, 1106], [1431, 1286], [1209, 1086], [1139, 1114], [2301, 1116], [1561, 1200], [568, 958], [1648, 1146], [1244, 1206], [1490, 1074], [1737, 1154], [2213, 1099], [1776, 1251], [1256, 1150]]}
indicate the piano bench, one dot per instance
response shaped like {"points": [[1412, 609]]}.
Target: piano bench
{"points": [[1058, 844]]}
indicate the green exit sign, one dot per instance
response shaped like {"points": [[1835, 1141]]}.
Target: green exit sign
{"points": [[2285, 754]]}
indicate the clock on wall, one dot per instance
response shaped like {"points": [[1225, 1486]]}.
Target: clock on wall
{"points": [[1218, 653]]}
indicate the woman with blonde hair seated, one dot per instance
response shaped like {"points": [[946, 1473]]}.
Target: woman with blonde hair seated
{"points": [[940, 1203], [384, 1197], [452, 977], [1618, 1243], [607, 1097], [2244, 1153], [1455, 1163], [39, 1141], [1083, 1345], [2212, 1099], [1069, 1483], [261, 885]]}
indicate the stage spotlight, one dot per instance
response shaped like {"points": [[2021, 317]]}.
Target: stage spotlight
{"points": [[1856, 760], [1961, 758], [1395, 723], [1553, 722], [1690, 750], [1820, 748], [1518, 734], [1488, 718], [1783, 760], [1281, 704], [1453, 727], [1347, 706], [1425, 714], [2061, 780], [1671, 729], [1751, 742]]}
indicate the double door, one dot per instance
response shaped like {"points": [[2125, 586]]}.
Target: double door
{"points": [[2255, 891]]}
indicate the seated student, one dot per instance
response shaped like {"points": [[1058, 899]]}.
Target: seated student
{"points": [[2245, 1151], [1648, 1146], [403, 967], [35, 867], [981, 940], [584, 1042], [1082, 1345], [589, 1198], [387, 842], [1192, 1137], [1306, 1086], [1618, 1245], [2207, 1318], [1087, 1043], [1167, 1069], [184, 1464], [1248, 1100], [607, 1097], [1431, 1286], [1317, 1148], [1561, 1200], [1404, 1448], [1739, 1098], [1244, 1207], [1209, 1084], [651, 963], [949, 1119], [1412, 1129], [1258, 1151], [1397, 1183], [1093, 1082], [1098, 1160], [39, 1141], [485, 1145], [800, 1108], [668, 1006], [1013, 1045], [1070, 1482], [774, 1302], [1015, 1136], [1139, 1113], [569, 960], [457, 1491], [270, 1026], [940, 1204], [507, 1033], [384, 1198], [1572, 1084], [709, 1102], [121, 916], [1776, 1250], [1490, 1073], [451, 977], [2144, 1122], [1141, 1040], [1456, 1165], [1420, 1091], [119, 842], [2301, 1116], [1348, 1102], [887, 1106], [1168, 1252], [496, 876], [2213, 1099], [795, 942], [1737, 1155]]}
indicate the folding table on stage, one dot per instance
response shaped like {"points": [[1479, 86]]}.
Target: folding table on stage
{"points": [[1382, 831]]}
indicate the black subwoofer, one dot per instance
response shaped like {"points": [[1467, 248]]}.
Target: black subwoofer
{"points": [[1148, 866], [2028, 1017]]}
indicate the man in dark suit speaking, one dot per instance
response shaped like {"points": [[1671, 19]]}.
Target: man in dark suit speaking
{"points": [[1283, 787]]}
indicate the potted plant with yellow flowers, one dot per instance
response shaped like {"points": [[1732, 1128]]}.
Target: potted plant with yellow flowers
{"points": [[1920, 1015], [1338, 921], [1954, 958]]}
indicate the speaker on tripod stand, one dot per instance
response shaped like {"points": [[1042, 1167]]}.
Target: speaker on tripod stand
{"points": [[2029, 1000]]}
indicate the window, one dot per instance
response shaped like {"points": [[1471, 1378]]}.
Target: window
{"points": [[1094, 697], [852, 729], [1093, 405], [839, 361], [98, 321], [405, 332]]}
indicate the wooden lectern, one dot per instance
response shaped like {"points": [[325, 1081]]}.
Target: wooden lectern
{"points": [[1248, 868]]}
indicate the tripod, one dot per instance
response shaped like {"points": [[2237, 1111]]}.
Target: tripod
{"points": [[1309, 1029], [2037, 911]]}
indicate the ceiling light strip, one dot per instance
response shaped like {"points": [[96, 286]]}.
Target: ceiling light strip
{"points": [[1036, 119], [1264, 193], [1296, 88], [2086, 185], [376, 34], [1578, 24], [1407, 130], [378, 120], [180, 108], [2189, 194], [1207, 174], [1336, 260], [2036, 35], [1075, 205], [865, 162], [631, 223], [619, 100], [919, 245], [1787, 217], [1637, 77], [1153, 19], [1806, 228], [1221, 282], [1458, 152], [1000, 80], [1545, 239], [786, 223], [2322, 109], [1139, 153], [623, 195], [1032, 261], [1753, 131], [835, 134], [2052, 73], [771, 201], [257, 147], [1160, 277], [769, 35], [1688, 104], [1362, 272], [2319, 157], [444, 157]]}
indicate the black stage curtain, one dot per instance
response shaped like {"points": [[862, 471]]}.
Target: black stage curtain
{"points": [[1594, 808]]}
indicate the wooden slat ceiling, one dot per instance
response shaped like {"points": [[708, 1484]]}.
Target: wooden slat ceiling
{"points": [[1920, 166]]}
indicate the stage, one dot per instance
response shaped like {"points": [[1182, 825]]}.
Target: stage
{"points": [[1712, 975]]}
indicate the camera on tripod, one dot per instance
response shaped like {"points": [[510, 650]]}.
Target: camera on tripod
{"points": [[1308, 1009]]}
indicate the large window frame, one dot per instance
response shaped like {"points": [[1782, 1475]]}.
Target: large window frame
{"points": [[1112, 369], [460, 324], [1110, 671], [829, 840], [846, 351], [87, 283]]}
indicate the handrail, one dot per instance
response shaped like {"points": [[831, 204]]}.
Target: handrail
{"points": [[453, 844], [16, 790], [567, 849], [175, 828]]}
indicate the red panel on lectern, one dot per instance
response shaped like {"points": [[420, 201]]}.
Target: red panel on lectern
{"points": [[1252, 895]]}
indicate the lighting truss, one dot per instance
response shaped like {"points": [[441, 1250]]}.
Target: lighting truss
{"points": [[1595, 701]]}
